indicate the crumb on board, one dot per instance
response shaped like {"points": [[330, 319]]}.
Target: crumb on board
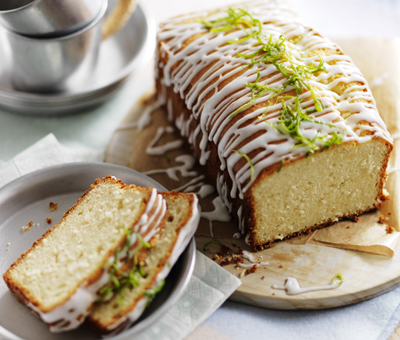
{"points": [[217, 257], [280, 266], [26, 228], [7, 249], [354, 219], [242, 273], [53, 206], [389, 229], [273, 293], [381, 219], [254, 268], [238, 259], [239, 251], [226, 261], [30, 223], [9, 244], [48, 220], [262, 277], [389, 213], [348, 227], [226, 250]]}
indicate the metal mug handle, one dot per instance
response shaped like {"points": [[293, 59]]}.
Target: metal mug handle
{"points": [[117, 19]]}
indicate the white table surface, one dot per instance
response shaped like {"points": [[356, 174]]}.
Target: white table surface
{"points": [[94, 128]]}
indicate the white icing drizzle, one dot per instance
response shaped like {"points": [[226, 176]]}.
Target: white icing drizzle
{"points": [[246, 239], [144, 119], [241, 219], [395, 136], [292, 287], [220, 213], [185, 235], [185, 169], [194, 183], [378, 81], [392, 170], [251, 265], [212, 100], [73, 312], [249, 256], [236, 235], [205, 190], [163, 149]]}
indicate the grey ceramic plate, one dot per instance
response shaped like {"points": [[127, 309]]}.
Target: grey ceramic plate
{"points": [[27, 199], [120, 56]]}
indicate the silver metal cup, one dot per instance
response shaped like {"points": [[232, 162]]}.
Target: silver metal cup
{"points": [[48, 18], [50, 65]]}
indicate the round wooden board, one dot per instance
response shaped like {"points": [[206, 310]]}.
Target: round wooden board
{"points": [[366, 275]]}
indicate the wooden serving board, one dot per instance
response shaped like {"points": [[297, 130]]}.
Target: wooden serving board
{"points": [[145, 131]]}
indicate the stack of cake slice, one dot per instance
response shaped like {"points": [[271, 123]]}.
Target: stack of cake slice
{"points": [[106, 249]]}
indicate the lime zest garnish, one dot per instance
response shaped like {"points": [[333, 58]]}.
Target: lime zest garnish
{"points": [[338, 278], [248, 161], [119, 279], [281, 165], [272, 50], [212, 241], [151, 293]]}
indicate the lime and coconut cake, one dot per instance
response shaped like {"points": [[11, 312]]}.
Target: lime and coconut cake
{"points": [[282, 120], [64, 272]]}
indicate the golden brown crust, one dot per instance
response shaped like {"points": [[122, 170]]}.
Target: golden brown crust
{"points": [[23, 294]]}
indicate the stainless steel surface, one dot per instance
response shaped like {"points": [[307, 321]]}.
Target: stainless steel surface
{"points": [[51, 65], [48, 18], [27, 199], [119, 56]]}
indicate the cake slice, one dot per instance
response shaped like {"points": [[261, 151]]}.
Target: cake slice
{"points": [[282, 120], [124, 308], [59, 277]]}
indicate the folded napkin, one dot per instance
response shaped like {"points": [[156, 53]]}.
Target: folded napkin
{"points": [[210, 284]]}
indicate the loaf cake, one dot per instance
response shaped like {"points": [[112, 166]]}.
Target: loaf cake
{"points": [[183, 216], [283, 122], [64, 272]]}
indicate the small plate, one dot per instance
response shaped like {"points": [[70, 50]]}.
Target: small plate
{"points": [[120, 55], [27, 199]]}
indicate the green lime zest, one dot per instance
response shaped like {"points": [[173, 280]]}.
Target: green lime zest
{"points": [[257, 91], [297, 39], [119, 279], [338, 278], [248, 161], [151, 293], [272, 50], [291, 118], [281, 165], [236, 18], [212, 241]]}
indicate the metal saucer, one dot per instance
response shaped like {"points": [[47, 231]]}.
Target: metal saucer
{"points": [[27, 199], [120, 55]]}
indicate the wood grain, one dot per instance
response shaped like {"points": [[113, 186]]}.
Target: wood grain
{"points": [[365, 275]]}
